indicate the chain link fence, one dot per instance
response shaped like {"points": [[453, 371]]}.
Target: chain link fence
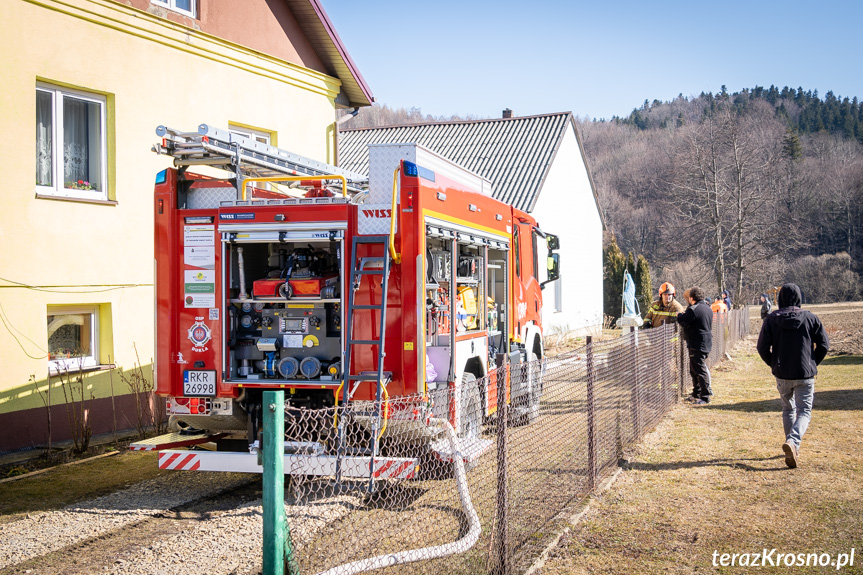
{"points": [[487, 494]]}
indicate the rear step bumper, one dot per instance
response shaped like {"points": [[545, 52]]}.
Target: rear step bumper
{"points": [[294, 464]]}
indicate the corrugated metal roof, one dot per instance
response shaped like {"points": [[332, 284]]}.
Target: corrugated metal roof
{"points": [[514, 153]]}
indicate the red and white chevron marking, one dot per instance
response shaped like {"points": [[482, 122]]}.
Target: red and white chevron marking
{"points": [[183, 461], [395, 469]]}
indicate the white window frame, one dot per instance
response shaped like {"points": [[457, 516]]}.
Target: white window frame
{"points": [[58, 187], [259, 136], [74, 364], [172, 5]]}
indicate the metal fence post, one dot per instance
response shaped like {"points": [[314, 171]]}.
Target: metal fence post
{"points": [[591, 417], [275, 552], [636, 391], [502, 531]]}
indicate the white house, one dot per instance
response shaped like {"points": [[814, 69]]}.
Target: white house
{"points": [[537, 164]]}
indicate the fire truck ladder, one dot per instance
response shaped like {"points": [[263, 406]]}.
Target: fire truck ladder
{"points": [[243, 156], [375, 266]]}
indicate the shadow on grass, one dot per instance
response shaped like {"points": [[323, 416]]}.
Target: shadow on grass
{"points": [[843, 360], [732, 463], [835, 399]]}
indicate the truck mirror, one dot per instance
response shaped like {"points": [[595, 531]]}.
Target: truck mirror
{"points": [[553, 267], [552, 242]]}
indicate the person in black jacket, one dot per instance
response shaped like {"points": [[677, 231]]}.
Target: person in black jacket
{"points": [[766, 306], [697, 323], [793, 342]]}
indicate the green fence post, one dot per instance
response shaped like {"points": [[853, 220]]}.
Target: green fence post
{"points": [[274, 482]]}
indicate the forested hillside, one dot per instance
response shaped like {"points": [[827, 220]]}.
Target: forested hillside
{"points": [[738, 191]]}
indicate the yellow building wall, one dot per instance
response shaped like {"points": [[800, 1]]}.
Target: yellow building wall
{"points": [[152, 72]]}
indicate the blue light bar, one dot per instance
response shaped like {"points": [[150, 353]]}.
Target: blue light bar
{"points": [[411, 169], [161, 177], [414, 170]]}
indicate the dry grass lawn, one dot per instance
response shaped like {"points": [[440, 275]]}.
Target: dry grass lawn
{"points": [[64, 485], [714, 479]]}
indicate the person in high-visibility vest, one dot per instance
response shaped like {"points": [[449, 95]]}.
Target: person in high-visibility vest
{"points": [[664, 309]]}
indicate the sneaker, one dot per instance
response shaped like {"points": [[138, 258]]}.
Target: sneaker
{"points": [[690, 399], [699, 401], [790, 454]]}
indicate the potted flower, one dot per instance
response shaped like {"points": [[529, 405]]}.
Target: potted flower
{"points": [[80, 185]]}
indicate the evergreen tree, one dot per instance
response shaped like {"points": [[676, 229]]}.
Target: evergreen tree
{"points": [[791, 146], [613, 266], [643, 285]]}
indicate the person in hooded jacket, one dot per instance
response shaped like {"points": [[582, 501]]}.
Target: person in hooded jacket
{"points": [[697, 324], [793, 342], [766, 306]]}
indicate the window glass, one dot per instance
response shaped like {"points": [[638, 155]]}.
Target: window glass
{"points": [[44, 138], [82, 150], [184, 6], [71, 339], [535, 257], [71, 155], [517, 252]]}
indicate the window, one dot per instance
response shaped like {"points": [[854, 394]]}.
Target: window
{"points": [[71, 157], [186, 7], [256, 135], [72, 338], [259, 136]]}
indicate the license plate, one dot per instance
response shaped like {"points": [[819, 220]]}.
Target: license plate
{"points": [[199, 383]]}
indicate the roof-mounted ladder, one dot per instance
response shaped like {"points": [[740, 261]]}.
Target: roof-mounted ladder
{"points": [[245, 157]]}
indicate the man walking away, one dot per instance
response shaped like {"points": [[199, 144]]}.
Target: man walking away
{"points": [[793, 342], [697, 324]]}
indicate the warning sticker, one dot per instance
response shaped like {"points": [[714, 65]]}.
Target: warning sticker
{"points": [[200, 257], [199, 236]]}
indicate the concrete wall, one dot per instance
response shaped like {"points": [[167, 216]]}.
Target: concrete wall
{"points": [[566, 207], [58, 252]]}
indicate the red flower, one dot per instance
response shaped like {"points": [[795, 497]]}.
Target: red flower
{"points": [[80, 181]]}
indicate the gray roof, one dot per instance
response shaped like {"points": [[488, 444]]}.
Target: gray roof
{"points": [[515, 154]]}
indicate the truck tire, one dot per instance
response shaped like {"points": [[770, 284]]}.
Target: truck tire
{"points": [[526, 391], [469, 404]]}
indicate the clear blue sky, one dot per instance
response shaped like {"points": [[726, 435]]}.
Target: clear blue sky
{"points": [[597, 59]]}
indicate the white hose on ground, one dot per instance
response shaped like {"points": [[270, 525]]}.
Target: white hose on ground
{"points": [[458, 546]]}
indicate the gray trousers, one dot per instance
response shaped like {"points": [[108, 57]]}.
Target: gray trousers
{"points": [[796, 396]]}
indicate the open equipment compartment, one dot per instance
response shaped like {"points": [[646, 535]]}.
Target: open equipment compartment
{"points": [[285, 308]]}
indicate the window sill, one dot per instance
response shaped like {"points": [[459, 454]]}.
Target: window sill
{"points": [[73, 199], [53, 372]]}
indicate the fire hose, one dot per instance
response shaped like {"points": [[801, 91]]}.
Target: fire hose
{"points": [[458, 546]]}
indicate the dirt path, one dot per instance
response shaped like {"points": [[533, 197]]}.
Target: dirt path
{"points": [[713, 480]]}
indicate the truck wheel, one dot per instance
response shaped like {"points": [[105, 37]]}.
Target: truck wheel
{"points": [[526, 391], [469, 404]]}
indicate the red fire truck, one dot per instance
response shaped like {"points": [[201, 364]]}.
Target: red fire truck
{"points": [[400, 291]]}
